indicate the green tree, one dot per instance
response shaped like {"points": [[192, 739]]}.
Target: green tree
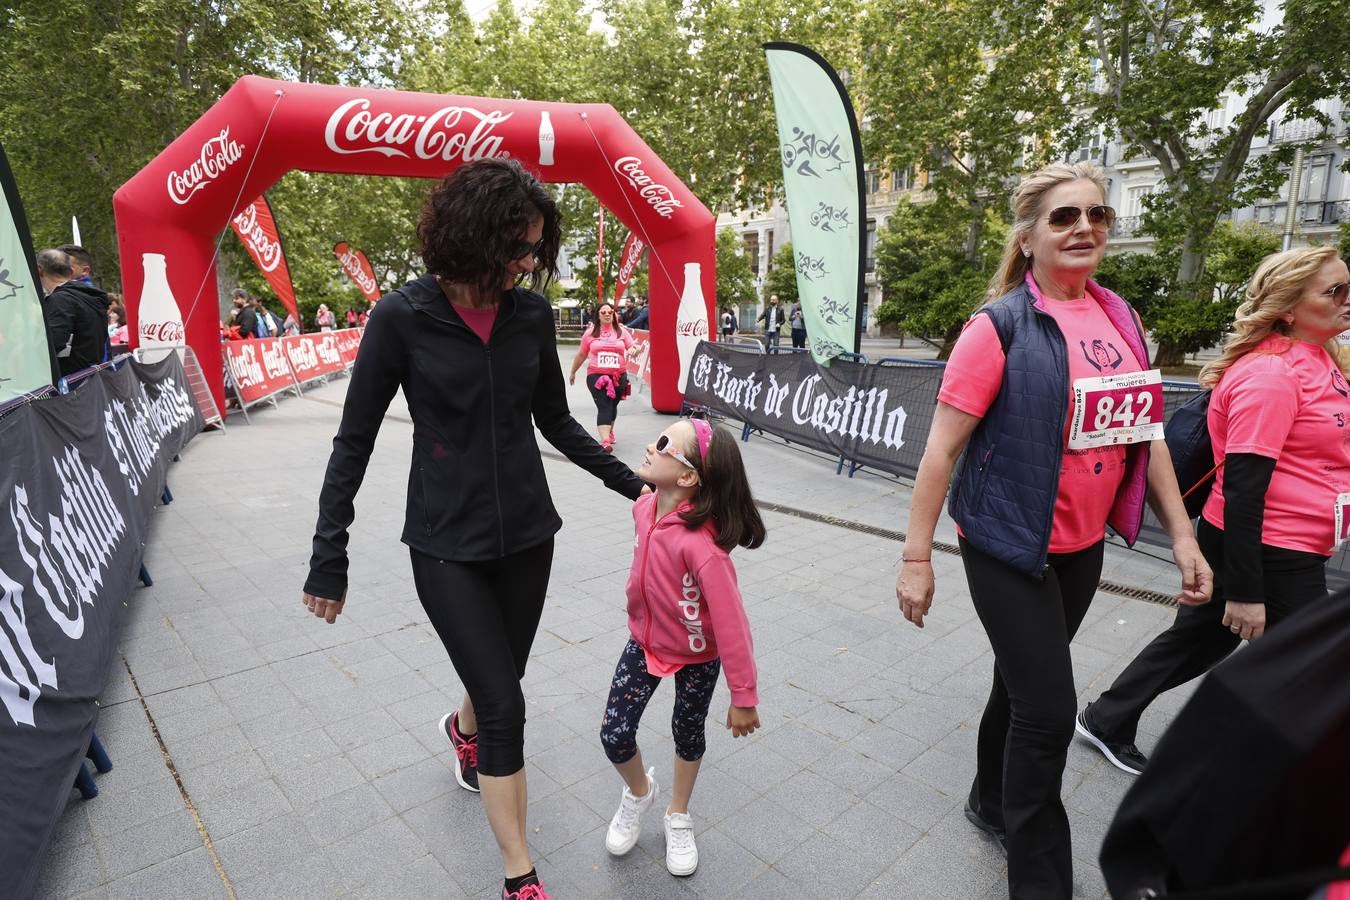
{"points": [[928, 284], [782, 277], [1234, 253], [735, 279], [1162, 66], [969, 91]]}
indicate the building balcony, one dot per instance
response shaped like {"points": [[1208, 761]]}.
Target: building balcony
{"points": [[1296, 131], [1126, 226], [1316, 212]]}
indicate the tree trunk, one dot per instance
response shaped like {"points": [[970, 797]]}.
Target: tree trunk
{"points": [[949, 341], [1169, 354], [974, 231]]}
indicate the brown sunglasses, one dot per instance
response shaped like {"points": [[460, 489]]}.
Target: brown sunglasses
{"points": [[1062, 218]]}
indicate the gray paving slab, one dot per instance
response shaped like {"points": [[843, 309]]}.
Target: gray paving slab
{"points": [[312, 757]]}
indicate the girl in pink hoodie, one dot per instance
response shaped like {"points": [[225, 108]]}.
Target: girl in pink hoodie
{"points": [[685, 619]]}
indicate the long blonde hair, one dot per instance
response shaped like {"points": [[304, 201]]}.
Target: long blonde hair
{"points": [[1026, 209], [1276, 288]]}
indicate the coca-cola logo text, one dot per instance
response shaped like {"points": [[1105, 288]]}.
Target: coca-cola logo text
{"points": [[451, 133], [660, 197], [697, 328], [267, 251], [630, 261], [351, 264], [160, 332], [217, 155]]}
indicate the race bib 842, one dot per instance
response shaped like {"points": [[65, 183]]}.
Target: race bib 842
{"points": [[1116, 409]]}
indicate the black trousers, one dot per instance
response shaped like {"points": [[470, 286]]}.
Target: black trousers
{"points": [[799, 338], [606, 407], [1198, 640], [1028, 722], [486, 614]]}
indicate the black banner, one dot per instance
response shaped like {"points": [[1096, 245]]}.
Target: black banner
{"points": [[82, 472], [876, 415]]}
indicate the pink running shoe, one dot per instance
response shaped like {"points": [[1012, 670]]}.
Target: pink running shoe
{"points": [[527, 892], [466, 752]]}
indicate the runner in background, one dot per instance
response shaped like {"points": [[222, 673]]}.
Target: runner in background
{"points": [[1049, 395], [1279, 420], [605, 349]]}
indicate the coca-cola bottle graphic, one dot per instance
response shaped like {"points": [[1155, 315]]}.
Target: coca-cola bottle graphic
{"points": [[159, 321], [545, 140], [691, 320]]}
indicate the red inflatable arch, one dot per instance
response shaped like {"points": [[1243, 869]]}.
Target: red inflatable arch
{"points": [[261, 129]]}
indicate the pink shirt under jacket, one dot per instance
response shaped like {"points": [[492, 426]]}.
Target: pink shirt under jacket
{"points": [[684, 605]]}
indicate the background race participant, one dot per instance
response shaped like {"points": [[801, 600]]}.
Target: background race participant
{"points": [[605, 349], [476, 358], [1279, 420], [1047, 394]]}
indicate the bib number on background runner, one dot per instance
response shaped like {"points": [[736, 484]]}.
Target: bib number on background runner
{"points": [[1116, 409], [1342, 521], [608, 359]]}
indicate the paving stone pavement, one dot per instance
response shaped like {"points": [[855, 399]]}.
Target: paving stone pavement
{"points": [[260, 751]]}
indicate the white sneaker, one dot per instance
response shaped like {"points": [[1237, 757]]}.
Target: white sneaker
{"points": [[681, 851], [626, 825]]}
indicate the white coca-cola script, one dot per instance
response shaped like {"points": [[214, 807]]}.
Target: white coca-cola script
{"points": [[692, 328], [630, 262], [352, 266], [451, 133], [660, 197], [160, 332], [217, 155], [267, 251]]}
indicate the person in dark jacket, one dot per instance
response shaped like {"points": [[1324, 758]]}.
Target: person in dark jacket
{"points": [[1037, 487], [76, 314], [476, 357]]}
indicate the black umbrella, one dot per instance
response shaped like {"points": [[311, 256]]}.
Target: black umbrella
{"points": [[1252, 780]]}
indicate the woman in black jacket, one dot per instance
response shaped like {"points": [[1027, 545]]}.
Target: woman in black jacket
{"points": [[476, 357]]}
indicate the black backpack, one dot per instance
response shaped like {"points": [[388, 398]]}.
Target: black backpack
{"points": [[1187, 436]]}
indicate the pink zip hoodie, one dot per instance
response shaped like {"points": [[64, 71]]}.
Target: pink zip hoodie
{"points": [[683, 602]]}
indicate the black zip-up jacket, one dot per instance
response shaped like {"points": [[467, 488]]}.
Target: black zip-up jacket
{"points": [[77, 323], [476, 490]]}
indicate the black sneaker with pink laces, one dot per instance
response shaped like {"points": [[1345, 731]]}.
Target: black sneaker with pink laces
{"points": [[466, 751], [532, 891]]}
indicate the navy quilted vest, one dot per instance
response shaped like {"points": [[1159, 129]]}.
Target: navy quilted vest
{"points": [[1003, 492]]}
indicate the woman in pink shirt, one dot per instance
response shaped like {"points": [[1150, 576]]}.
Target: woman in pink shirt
{"points": [[1049, 401], [1279, 420], [685, 619], [605, 350]]}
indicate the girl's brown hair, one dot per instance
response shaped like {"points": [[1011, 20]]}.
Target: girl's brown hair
{"points": [[724, 493]]}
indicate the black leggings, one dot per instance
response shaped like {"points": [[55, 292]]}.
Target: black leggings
{"points": [[606, 407], [1198, 640], [486, 614], [1028, 722], [633, 686]]}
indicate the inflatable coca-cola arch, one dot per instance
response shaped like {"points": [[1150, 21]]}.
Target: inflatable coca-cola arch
{"points": [[261, 129]]}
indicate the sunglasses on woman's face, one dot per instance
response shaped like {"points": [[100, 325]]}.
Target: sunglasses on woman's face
{"points": [[665, 445], [525, 248], [1062, 218], [1338, 292]]}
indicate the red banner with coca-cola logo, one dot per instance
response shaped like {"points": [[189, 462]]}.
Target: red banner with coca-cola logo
{"points": [[258, 368], [313, 355], [257, 229], [357, 267], [628, 263], [640, 363], [349, 341]]}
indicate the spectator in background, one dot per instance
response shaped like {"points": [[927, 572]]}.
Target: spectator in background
{"points": [[76, 314], [117, 329], [291, 325], [243, 322], [640, 317], [81, 261], [351, 318], [728, 323], [324, 318], [797, 321], [268, 323], [773, 320]]}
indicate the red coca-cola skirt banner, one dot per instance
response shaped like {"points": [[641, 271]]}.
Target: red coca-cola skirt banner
{"points": [[257, 367], [633, 249], [257, 229], [358, 269], [261, 129], [314, 355]]}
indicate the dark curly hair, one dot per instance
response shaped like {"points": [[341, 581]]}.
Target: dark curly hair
{"points": [[474, 220]]}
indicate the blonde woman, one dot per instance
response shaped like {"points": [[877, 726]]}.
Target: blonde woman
{"points": [[1279, 419], [1038, 485]]}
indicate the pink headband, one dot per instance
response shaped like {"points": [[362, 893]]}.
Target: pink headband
{"points": [[704, 432]]}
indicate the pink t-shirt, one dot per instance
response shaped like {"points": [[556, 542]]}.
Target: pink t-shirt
{"points": [[480, 320], [605, 354], [1088, 479], [1288, 401]]}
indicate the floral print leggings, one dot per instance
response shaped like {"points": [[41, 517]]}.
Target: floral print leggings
{"points": [[633, 686]]}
